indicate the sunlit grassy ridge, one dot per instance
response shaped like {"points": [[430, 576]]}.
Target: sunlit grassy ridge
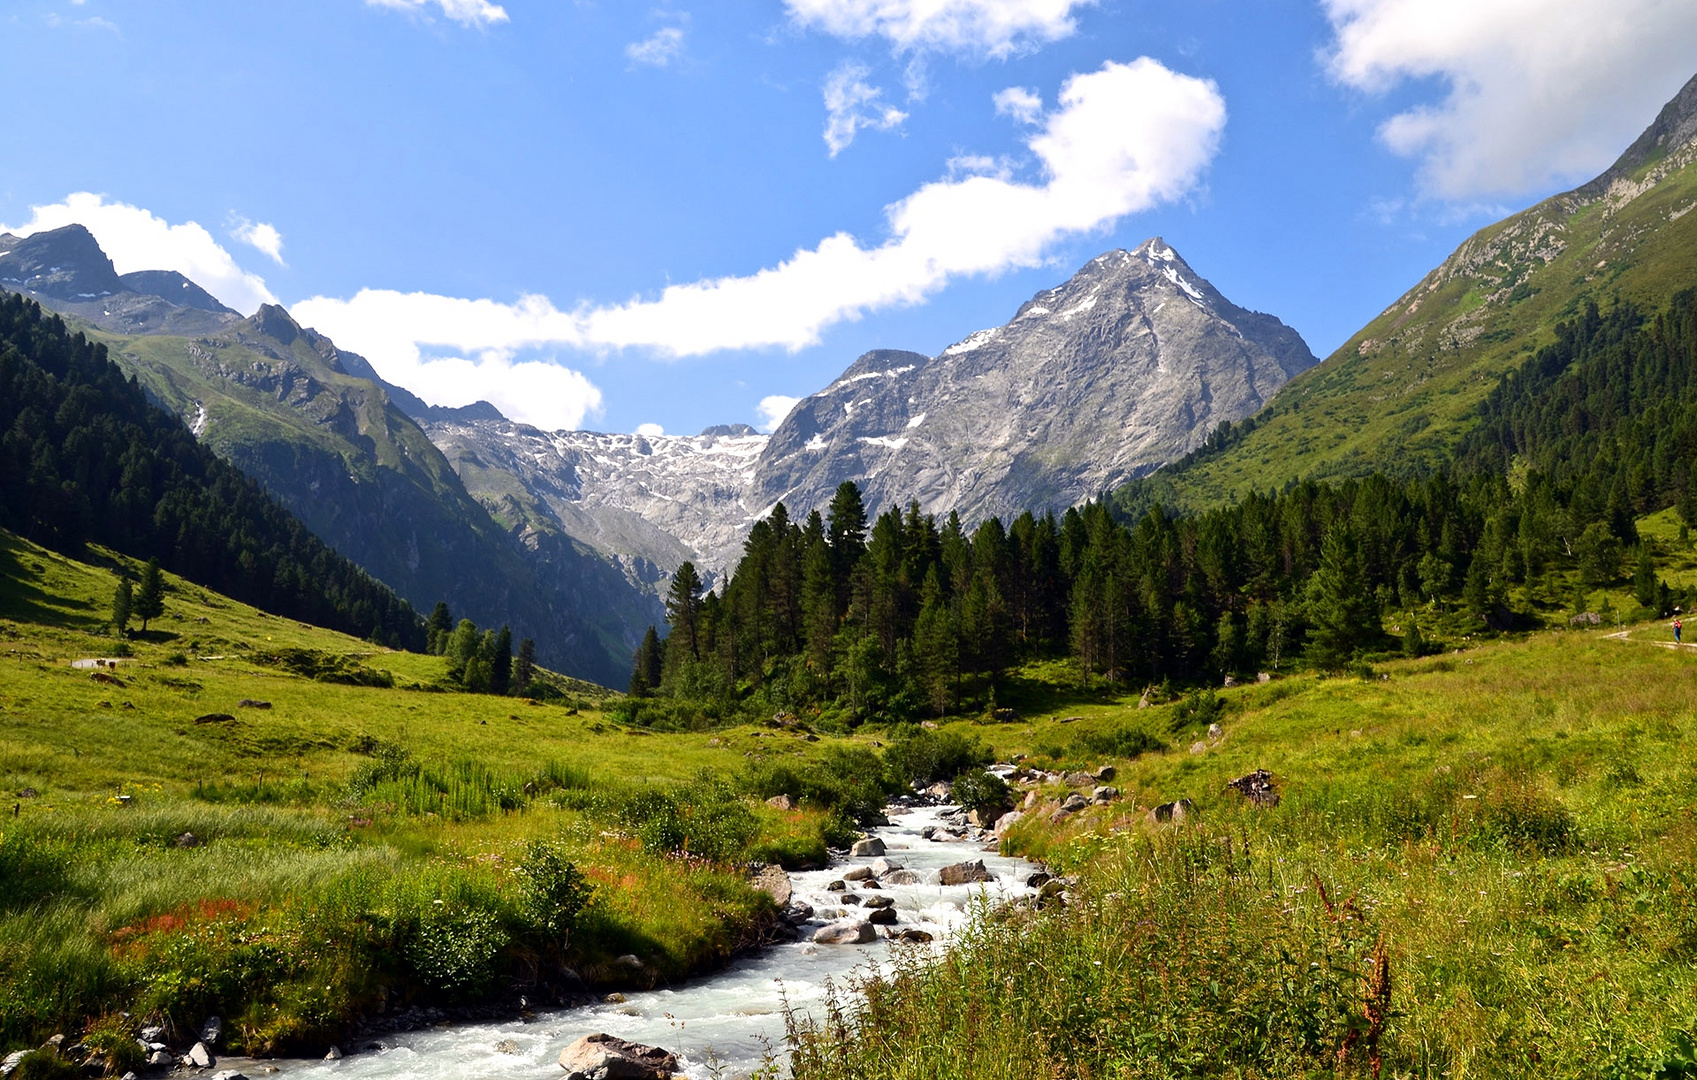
{"points": [[1514, 822]]}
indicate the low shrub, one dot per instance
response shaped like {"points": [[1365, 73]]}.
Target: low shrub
{"points": [[921, 756]]}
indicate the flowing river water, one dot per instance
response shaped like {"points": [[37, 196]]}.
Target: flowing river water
{"points": [[719, 1025]]}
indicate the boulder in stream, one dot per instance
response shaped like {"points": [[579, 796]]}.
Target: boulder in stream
{"points": [[846, 932], [772, 881], [603, 1057], [902, 877], [858, 873], [964, 873], [867, 848], [882, 866]]}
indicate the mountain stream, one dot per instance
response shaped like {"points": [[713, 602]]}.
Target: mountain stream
{"points": [[726, 1023]]}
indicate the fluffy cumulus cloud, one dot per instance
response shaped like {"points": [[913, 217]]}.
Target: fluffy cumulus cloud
{"points": [[981, 28], [260, 236], [464, 12], [1119, 140], [1537, 92], [665, 46], [135, 239], [453, 352], [772, 410], [1022, 104], [650, 431], [853, 105]]}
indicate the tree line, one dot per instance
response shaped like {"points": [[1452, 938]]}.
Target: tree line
{"points": [[904, 615]]}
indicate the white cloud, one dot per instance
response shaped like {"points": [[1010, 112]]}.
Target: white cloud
{"points": [[665, 46], [1120, 140], [260, 235], [982, 28], [1023, 105], [650, 431], [136, 240], [464, 12], [852, 105], [1538, 91], [772, 410]]}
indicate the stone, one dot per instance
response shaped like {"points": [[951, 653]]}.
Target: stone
{"points": [[1216, 733], [215, 718], [1105, 774], [882, 917], [902, 877], [928, 832], [629, 960], [772, 881], [212, 1028], [1230, 682], [333, 1054], [199, 1057], [798, 913], [228, 1074], [852, 899], [1074, 803], [1257, 787], [849, 931], [1038, 880], [836, 886], [911, 936], [1263, 677], [10, 1064], [871, 883], [1031, 800], [781, 802], [252, 703], [160, 1059], [940, 791], [1104, 795], [1007, 821], [876, 902], [1198, 747], [507, 1046], [603, 1057], [152, 1033], [189, 840], [1175, 812], [882, 866], [964, 873], [868, 848], [857, 873], [1079, 779]]}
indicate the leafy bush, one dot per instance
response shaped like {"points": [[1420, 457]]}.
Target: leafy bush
{"points": [[982, 791], [923, 756], [849, 780], [456, 950], [1199, 709], [112, 1038], [554, 891]]}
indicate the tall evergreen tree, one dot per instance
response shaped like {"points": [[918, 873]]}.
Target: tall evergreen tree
{"points": [[1341, 605], [646, 665], [683, 613], [437, 629], [524, 668], [123, 604], [501, 663], [150, 598]]}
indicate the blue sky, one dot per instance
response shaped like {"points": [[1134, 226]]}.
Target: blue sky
{"points": [[609, 215]]}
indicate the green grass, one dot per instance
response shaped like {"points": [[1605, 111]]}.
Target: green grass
{"points": [[327, 826], [1514, 822]]}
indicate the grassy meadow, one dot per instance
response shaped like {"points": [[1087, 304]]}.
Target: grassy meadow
{"points": [[349, 849], [1482, 864]]}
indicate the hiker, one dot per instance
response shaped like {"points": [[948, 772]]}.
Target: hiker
{"points": [[1677, 627]]}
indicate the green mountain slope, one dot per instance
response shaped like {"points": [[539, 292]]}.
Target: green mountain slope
{"points": [[277, 400], [1400, 393]]}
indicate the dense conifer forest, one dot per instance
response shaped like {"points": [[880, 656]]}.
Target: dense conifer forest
{"points": [[902, 616], [86, 459]]}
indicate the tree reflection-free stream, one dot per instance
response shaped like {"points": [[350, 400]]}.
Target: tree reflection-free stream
{"points": [[721, 1024]]}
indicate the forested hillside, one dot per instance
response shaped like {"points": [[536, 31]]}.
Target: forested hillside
{"points": [[913, 616], [85, 458]]}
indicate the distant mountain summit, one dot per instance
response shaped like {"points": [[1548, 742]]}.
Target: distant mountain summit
{"points": [[67, 270], [1129, 364]]}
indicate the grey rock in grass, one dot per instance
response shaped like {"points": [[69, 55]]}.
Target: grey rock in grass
{"points": [[1007, 821], [964, 873], [1104, 794], [845, 932], [1176, 812], [603, 1057], [1105, 774], [10, 1064], [774, 882], [867, 848], [1074, 803]]}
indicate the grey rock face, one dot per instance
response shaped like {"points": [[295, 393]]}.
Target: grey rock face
{"points": [[1130, 364]]}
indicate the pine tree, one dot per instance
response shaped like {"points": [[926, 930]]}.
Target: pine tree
{"points": [[936, 646], [1341, 605], [501, 663], [461, 649], [524, 668], [123, 604], [818, 604], [683, 613], [441, 624], [646, 665], [1644, 580], [150, 598]]}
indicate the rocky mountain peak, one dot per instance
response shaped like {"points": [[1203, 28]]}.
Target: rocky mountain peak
{"points": [[61, 264], [1674, 127], [171, 286], [274, 322]]}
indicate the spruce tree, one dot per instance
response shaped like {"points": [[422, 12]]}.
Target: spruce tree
{"points": [[501, 663], [441, 624], [150, 598], [1644, 580], [524, 668], [1340, 603], [646, 665], [683, 613], [123, 604]]}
